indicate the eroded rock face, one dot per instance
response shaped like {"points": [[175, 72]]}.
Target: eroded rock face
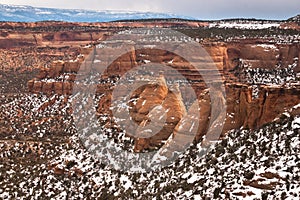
{"points": [[59, 78], [248, 106], [66, 33], [258, 54], [245, 110], [150, 101], [42, 34]]}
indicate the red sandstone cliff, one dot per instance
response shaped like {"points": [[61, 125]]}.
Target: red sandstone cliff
{"points": [[244, 108]]}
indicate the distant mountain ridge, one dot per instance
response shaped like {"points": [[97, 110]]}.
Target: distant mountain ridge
{"points": [[32, 14]]}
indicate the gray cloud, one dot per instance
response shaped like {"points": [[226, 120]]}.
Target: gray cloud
{"points": [[211, 9]]}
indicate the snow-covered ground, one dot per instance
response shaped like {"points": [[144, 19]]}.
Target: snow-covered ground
{"points": [[276, 77], [256, 164], [244, 24]]}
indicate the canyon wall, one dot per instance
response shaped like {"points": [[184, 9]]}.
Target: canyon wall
{"points": [[56, 34], [248, 105]]}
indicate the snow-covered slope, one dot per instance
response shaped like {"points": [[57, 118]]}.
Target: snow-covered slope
{"points": [[263, 164], [245, 24], [295, 19], [260, 164], [32, 14]]}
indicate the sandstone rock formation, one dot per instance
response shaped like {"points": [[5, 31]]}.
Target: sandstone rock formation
{"points": [[144, 113], [261, 78], [249, 105]]}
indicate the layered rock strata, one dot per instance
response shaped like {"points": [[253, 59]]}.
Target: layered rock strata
{"points": [[248, 106]]}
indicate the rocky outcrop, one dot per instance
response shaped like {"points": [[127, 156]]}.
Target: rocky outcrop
{"points": [[43, 34], [66, 34], [156, 106], [256, 53], [248, 111], [59, 78], [248, 106]]}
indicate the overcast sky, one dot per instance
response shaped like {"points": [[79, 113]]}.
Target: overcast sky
{"points": [[200, 9]]}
